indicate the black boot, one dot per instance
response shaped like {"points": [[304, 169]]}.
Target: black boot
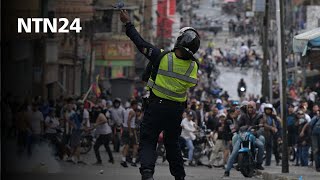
{"points": [[179, 178], [259, 166], [147, 175]]}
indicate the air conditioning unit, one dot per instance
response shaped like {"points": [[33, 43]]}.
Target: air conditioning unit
{"points": [[273, 25]]}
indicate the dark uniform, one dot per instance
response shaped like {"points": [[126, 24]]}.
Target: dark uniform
{"points": [[160, 114]]}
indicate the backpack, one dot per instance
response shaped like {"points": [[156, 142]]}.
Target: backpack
{"points": [[152, 69]]}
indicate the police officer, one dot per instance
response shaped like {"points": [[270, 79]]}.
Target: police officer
{"points": [[171, 76]]}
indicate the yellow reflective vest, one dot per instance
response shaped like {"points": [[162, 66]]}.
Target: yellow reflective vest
{"points": [[175, 76]]}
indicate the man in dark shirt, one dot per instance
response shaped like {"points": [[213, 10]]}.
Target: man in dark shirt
{"points": [[292, 130], [212, 119]]}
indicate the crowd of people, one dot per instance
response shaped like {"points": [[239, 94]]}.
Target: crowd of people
{"points": [[33, 122], [117, 123], [239, 55]]}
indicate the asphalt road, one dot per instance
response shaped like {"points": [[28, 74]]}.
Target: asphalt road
{"points": [[42, 169]]}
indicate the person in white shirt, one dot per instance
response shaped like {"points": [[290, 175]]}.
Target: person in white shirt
{"points": [[36, 118], [51, 124], [188, 129], [117, 117], [103, 133], [244, 51], [129, 135], [85, 116]]}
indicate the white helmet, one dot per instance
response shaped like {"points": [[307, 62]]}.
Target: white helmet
{"points": [[244, 103], [268, 106]]}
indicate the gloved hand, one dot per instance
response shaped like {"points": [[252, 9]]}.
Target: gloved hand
{"points": [[124, 16]]}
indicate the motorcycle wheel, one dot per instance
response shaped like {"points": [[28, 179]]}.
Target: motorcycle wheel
{"points": [[292, 154], [197, 154], [85, 145], [246, 165]]}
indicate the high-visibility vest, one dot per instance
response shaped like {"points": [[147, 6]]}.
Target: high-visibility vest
{"points": [[174, 77]]}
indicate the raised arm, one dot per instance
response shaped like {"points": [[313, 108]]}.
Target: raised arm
{"points": [[148, 50]]}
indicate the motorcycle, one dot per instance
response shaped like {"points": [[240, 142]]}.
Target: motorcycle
{"points": [[242, 91], [247, 152], [61, 147], [292, 152], [203, 146], [86, 142]]}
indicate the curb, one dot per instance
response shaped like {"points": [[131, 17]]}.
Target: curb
{"points": [[271, 176]]}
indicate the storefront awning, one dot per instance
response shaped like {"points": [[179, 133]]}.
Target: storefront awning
{"points": [[309, 39]]}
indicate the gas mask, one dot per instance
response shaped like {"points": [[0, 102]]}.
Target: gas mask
{"points": [[301, 120]]}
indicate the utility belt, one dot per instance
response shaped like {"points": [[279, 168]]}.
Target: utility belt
{"points": [[155, 99], [158, 100]]}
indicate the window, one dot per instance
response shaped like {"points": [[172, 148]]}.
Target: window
{"points": [[105, 23]]}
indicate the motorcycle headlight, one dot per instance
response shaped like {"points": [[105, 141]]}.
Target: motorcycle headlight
{"points": [[242, 89]]}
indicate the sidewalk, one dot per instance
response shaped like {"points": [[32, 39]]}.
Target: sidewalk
{"points": [[274, 173]]}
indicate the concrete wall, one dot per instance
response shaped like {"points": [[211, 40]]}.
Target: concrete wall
{"points": [[313, 17], [19, 72]]}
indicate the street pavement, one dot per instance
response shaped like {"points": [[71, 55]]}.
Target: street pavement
{"points": [[43, 166], [295, 173], [44, 169], [229, 79]]}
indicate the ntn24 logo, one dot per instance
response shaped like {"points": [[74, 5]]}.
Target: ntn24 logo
{"points": [[48, 24]]}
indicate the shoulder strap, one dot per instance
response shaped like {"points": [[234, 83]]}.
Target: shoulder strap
{"points": [[156, 64]]}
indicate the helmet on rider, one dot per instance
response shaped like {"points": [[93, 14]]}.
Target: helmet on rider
{"points": [[268, 107], [188, 42], [116, 102], [243, 106], [244, 103]]}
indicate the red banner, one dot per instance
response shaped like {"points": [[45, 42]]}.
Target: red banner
{"points": [[164, 23]]}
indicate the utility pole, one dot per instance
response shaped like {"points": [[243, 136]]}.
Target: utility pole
{"points": [[271, 79], [91, 49], [283, 84], [265, 52], [75, 61]]}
